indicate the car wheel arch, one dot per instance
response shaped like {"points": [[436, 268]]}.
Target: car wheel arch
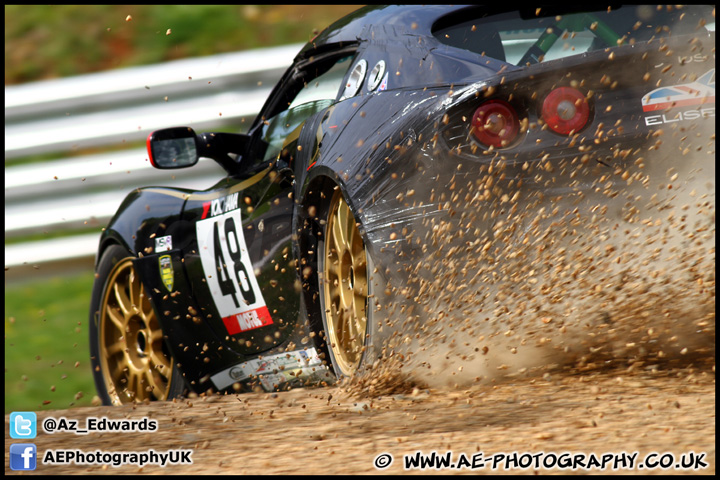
{"points": [[109, 239], [313, 211]]}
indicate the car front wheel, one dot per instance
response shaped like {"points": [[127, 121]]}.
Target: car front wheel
{"points": [[129, 356]]}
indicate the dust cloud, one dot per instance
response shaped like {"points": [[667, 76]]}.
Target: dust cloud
{"points": [[586, 265]]}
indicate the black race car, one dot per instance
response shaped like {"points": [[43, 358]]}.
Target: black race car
{"points": [[384, 187]]}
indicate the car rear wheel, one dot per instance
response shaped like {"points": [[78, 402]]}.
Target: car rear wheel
{"points": [[345, 284], [129, 356]]}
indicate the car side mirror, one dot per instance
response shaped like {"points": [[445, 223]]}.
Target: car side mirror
{"points": [[181, 147], [173, 148]]}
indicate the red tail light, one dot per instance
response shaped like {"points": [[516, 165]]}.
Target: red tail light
{"points": [[495, 123], [565, 110]]}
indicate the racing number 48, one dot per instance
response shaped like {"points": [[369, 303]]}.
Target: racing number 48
{"points": [[227, 286]]}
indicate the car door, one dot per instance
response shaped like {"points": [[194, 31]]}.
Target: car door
{"points": [[242, 267]]}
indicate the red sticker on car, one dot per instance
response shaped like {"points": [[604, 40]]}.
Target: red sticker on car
{"points": [[242, 322]]}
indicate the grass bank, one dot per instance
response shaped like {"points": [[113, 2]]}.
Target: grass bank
{"points": [[47, 359], [51, 41]]}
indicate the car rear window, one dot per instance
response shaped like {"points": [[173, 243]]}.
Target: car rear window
{"points": [[532, 35]]}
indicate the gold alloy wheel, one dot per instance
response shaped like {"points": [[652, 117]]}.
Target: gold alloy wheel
{"points": [[345, 286], [134, 365]]}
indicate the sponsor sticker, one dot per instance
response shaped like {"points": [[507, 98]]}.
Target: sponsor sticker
{"points": [[384, 83], [220, 205], [228, 270], [272, 369], [167, 274], [163, 244]]}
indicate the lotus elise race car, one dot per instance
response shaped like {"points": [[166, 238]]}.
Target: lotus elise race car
{"points": [[385, 186]]}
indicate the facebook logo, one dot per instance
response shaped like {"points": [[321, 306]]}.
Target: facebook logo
{"points": [[23, 425], [23, 456]]}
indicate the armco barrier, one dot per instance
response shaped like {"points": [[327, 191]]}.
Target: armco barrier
{"points": [[116, 108]]}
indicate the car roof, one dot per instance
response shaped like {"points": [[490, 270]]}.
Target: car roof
{"points": [[357, 26]]}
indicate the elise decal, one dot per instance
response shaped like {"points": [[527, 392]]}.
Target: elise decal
{"points": [[680, 116], [167, 274], [229, 272], [699, 92]]}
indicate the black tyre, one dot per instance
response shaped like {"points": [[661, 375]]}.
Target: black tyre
{"points": [[345, 275], [129, 356]]}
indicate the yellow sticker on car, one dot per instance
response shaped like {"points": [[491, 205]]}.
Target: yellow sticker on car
{"points": [[167, 274]]}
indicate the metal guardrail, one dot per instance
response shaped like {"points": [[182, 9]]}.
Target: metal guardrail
{"points": [[114, 108]]}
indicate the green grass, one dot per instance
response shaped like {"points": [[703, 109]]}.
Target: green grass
{"points": [[47, 357], [50, 41]]}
